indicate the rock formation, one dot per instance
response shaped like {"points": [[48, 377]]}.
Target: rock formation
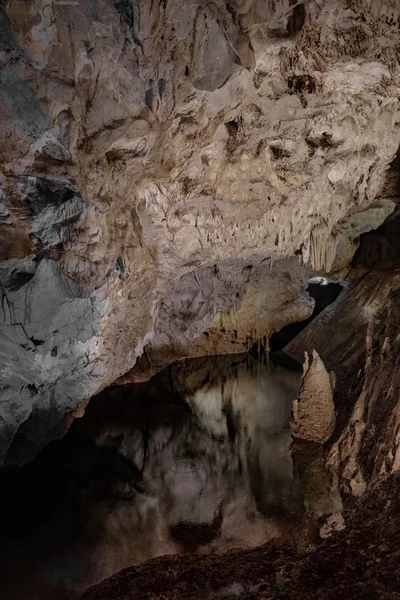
{"points": [[364, 352], [314, 416], [369, 446], [171, 174]]}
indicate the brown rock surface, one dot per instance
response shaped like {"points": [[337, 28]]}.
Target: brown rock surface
{"points": [[314, 417], [170, 174], [359, 335], [368, 448]]}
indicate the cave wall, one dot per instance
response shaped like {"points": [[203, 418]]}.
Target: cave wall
{"points": [[358, 336], [171, 174]]}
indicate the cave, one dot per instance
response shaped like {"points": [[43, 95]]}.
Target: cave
{"points": [[200, 299], [324, 293]]}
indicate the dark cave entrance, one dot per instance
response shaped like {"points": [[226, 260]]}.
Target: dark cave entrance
{"points": [[324, 293]]}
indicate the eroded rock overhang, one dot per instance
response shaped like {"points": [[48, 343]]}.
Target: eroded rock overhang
{"points": [[171, 176]]}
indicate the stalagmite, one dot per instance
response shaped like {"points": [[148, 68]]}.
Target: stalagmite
{"points": [[314, 416]]}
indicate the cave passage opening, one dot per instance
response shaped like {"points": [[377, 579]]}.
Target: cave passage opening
{"points": [[324, 292]]}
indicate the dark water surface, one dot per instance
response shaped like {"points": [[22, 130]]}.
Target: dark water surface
{"points": [[199, 459]]}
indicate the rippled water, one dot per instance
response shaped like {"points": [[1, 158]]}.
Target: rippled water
{"points": [[198, 459]]}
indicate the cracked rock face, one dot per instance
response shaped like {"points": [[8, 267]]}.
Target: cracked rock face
{"points": [[171, 174]]}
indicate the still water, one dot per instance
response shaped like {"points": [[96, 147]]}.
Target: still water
{"points": [[197, 460]]}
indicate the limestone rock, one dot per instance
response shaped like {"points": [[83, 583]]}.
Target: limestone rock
{"points": [[360, 333], [369, 446], [344, 347], [314, 416], [186, 166]]}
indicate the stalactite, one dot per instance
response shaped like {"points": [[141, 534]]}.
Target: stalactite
{"points": [[322, 248]]}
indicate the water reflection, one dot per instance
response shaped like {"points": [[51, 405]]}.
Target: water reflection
{"points": [[198, 459]]}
